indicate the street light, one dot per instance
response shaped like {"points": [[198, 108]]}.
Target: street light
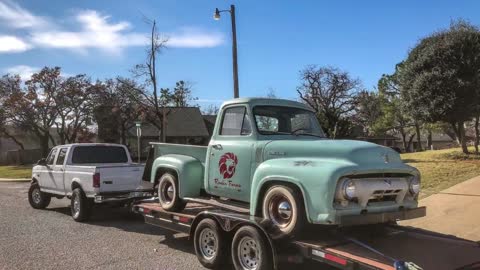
{"points": [[138, 124], [216, 16]]}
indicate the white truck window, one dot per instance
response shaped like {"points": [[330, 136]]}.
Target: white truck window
{"points": [[99, 154], [61, 156], [51, 156]]}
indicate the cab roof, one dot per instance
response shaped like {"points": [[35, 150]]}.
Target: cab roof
{"points": [[253, 101]]}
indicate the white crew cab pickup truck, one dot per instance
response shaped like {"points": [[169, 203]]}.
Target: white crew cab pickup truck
{"points": [[87, 174]]}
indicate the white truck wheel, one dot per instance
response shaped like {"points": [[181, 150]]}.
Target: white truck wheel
{"points": [[168, 193], [37, 198], [284, 207], [81, 207]]}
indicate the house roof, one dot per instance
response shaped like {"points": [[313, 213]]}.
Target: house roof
{"points": [[181, 122]]}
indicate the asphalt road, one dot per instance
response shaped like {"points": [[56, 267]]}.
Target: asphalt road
{"points": [[113, 239]]}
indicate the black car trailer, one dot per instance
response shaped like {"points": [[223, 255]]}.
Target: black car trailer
{"points": [[229, 233]]}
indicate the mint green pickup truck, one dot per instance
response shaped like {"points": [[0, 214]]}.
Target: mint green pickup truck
{"points": [[271, 156]]}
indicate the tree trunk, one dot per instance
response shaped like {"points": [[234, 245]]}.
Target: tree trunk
{"points": [[410, 142], [404, 140], [44, 144], [419, 147], [460, 133], [477, 133], [429, 140]]}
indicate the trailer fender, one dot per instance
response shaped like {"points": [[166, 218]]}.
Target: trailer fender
{"points": [[188, 170]]}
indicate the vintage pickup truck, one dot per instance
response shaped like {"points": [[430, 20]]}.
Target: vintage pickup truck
{"points": [[88, 174], [272, 156]]}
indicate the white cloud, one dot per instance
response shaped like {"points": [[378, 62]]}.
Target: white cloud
{"points": [[17, 17], [25, 72], [94, 31], [12, 44], [195, 38]]}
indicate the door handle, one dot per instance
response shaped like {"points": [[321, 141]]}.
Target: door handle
{"points": [[217, 146]]}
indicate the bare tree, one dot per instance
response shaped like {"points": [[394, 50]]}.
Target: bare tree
{"points": [[332, 94], [153, 100]]}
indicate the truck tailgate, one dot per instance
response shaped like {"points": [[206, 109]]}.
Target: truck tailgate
{"points": [[115, 178]]}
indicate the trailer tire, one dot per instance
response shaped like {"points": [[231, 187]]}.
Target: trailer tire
{"points": [[210, 244], [81, 206], [283, 205], [37, 198], [250, 250], [168, 193]]}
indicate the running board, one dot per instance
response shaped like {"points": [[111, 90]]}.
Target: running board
{"points": [[225, 205]]}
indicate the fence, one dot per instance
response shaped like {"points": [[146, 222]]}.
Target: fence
{"points": [[19, 157]]}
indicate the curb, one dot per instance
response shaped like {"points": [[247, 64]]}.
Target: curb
{"points": [[15, 179]]}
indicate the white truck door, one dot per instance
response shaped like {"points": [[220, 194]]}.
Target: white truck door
{"points": [[58, 170], [47, 183]]}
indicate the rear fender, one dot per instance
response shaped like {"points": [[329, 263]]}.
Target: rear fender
{"points": [[189, 172]]}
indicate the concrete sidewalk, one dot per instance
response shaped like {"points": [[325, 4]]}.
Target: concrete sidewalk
{"points": [[454, 211]]}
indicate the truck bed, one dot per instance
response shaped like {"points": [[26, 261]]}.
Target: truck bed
{"points": [[366, 247]]}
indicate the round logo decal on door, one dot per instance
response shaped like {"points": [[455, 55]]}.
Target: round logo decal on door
{"points": [[227, 164]]}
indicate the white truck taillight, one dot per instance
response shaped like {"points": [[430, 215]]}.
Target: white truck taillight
{"points": [[96, 180]]}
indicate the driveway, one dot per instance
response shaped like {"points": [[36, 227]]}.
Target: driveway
{"points": [[454, 211], [113, 239]]}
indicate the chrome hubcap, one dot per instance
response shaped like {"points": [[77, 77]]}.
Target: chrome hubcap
{"points": [[167, 192], [280, 211], [36, 196], [285, 210], [76, 205], [170, 192], [208, 243], [248, 254]]}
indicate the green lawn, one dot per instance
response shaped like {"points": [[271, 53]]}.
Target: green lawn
{"points": [[442, 169], [16, 171]]}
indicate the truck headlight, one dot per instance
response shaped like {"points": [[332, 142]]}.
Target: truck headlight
{"points": [[414, 186], [349, 189]]}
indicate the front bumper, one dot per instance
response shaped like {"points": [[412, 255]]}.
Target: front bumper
{"points": [[385, 217], [121, 196]]}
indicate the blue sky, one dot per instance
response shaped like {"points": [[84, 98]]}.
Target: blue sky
{"points": [[276, 39]]}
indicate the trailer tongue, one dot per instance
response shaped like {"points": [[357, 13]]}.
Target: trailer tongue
{"points": [[369, 247]]}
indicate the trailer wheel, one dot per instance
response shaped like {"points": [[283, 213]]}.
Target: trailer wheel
{"points": [[284, 207], [250, 250], [81, 206], [37, 198], [168, 193], [209, 242]]}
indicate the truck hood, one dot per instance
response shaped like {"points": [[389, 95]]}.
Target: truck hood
{"points": [[357, 152]]}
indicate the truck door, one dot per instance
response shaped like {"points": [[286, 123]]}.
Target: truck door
{"points": [[58, 170], [230, 156], [46, 180]]}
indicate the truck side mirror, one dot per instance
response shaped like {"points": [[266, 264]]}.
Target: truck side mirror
{"points": [[42, 162]]}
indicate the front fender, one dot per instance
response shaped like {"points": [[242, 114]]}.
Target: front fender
{"points": [[189, 171], [316, 178]]}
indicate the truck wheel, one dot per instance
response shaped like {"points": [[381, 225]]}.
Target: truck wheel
{"points": [[37, 198], [284, 207], [210, 245], [168, 193], [250, 250], [81, 207]]}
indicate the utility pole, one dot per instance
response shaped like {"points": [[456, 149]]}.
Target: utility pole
{"points": [[216, 16]]}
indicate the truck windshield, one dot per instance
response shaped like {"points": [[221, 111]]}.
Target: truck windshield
{"points": [[286, 120], [99, 154]]}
